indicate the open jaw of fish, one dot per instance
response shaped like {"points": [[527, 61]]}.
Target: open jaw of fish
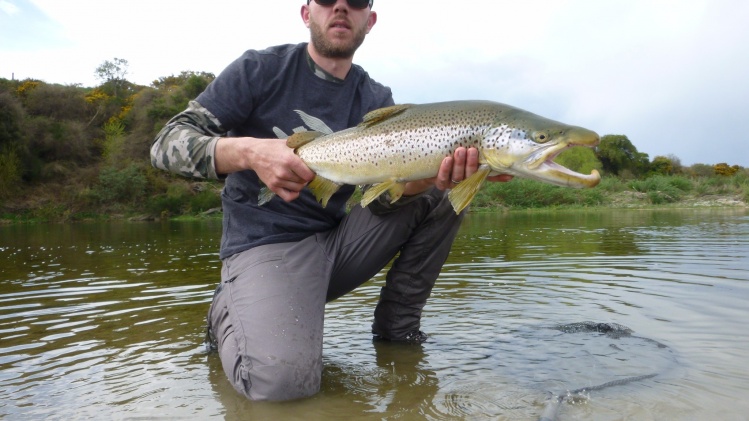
{"points": [[402, 143], [539, 164]]}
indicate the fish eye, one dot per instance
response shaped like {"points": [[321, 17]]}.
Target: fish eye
{"points": [[542, 137]]}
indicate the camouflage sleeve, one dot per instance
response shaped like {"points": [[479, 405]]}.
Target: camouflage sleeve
{"points": [[187, 143]]}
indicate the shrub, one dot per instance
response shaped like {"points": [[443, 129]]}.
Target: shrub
{"points": [[121, 186], [660, 189], [717, 184], [681, 183], [611, 184], [57, 102], [10, 172], [701, 170], [114, 131], [726, 170], [58, 140], [204, 200], [525, 193], [11, 115], [174, 201]]}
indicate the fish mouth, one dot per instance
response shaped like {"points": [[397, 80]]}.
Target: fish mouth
{"points": [[541, 164]]}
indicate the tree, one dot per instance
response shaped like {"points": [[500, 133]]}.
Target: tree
{"points": [[174, 92], [701, 170], [112, 73], [11, 166], [661, 165], [676, 163], [10, 171], [582, 160], [619, 156], [184, 78], [11, 114]]}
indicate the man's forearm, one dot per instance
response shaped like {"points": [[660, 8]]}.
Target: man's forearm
{"points": [[187, 144]]}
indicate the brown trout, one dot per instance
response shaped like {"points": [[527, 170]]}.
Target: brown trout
{"points": [[397, 144]]}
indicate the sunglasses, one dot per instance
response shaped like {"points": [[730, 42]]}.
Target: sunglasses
{"points": [[354, 4]]}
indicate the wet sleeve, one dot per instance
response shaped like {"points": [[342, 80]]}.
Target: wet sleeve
{"points": [[187, 143]]}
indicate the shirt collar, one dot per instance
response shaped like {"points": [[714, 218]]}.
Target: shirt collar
{"points": [[319, 71]]}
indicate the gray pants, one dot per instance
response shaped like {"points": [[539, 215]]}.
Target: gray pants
{"points": [[267, 314]]}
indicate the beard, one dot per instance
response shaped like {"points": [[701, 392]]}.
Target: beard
{"points": [[336, 48]]}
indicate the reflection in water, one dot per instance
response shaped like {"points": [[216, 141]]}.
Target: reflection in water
{"points": [[106, 320], [101, 316]]}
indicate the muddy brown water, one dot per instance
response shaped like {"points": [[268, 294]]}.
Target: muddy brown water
{"points": [[106, 321]]}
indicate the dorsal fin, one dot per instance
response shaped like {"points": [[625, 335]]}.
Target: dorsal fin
{"points": [[382, 114], [302, 138], [314, 123]]}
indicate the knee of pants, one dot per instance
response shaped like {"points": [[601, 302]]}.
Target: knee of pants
{"points": [[292, 376], [278, 382]]}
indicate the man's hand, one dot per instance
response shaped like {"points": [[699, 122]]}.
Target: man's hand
{"points": [[453, 170], [282, 171]]}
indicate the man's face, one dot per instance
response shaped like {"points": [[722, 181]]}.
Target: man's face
{"points": [[338, 30]]}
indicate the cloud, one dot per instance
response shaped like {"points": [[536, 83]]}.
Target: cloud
{"points": [[8, 8], [668, 74], [25, 29]]}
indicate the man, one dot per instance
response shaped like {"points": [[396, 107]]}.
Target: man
{"points": [[284, 260]]}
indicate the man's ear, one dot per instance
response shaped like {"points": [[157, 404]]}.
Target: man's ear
{"points": [[371, 20], [305, 15]]}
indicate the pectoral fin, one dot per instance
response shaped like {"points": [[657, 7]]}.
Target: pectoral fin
{"points": [[382, 114], [323, 189], [302, 138], [393, 187], [462, 195], [265, 196]]}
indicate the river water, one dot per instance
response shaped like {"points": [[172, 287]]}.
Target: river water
{"points": [[106, 321]]}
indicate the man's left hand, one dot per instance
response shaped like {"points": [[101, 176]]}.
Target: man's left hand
{"points": [[454, 169]]}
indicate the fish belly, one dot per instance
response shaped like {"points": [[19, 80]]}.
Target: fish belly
{"points": [[373, 159]]}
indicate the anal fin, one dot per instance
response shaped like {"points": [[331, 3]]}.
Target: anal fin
{"points": [[393, 187]]}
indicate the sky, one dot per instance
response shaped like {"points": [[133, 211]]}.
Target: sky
{"points": [[671, 75]]}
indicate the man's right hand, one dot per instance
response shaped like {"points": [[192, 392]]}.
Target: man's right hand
{"points": [[282, 171]]}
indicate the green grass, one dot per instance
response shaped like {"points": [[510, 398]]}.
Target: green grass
{"points": [[526, 194], [178, 197]]}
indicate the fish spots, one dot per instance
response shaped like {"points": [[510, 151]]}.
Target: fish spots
{"points": [[421, 136]]}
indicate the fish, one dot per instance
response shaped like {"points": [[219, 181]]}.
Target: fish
{"points": [[406, 142]]}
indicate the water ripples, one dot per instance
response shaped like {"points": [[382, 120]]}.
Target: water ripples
{"points": [[78, 320], [107, 321]]}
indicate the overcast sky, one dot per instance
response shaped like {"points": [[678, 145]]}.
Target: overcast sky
{"points": [[670, 75]]}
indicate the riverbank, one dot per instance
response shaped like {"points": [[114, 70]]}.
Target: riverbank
{"points": [[640, 200], [199, 200]]}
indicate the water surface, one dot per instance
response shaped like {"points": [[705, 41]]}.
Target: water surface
{"points": [[106, 320]]}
